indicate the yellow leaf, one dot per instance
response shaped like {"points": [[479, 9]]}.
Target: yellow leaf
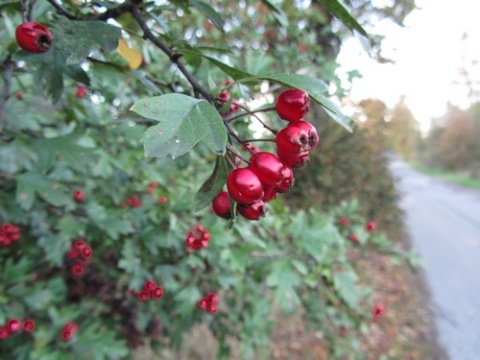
{"points": [[133, 57]]}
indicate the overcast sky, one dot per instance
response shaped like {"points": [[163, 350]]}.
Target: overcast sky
{"points": [[428, 54]]}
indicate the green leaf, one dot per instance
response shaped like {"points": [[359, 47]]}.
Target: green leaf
{"points": [[76, 39], [31, 182], [55, 247], [236, 74], [209, 12], [277, 13], [335, 113], [213, 185], [346, 285], [71, 226], [184, 121], [344, 16]]}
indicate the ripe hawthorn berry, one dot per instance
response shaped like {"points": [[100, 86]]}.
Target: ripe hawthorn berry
{"points": [[353, 238], [268, 168], [143, 295], [81, 92], [287, 181], [19, 95], [254, 211], [4, 333], [294, 161], [79, 196], [221, 205], [269, 194], [377, 312], [14, 325], [371, 226], [244, 186], [297, 137], [343, 221], [292, 104], [34, 37], [156, 293], [28, 325], [77, 269]]}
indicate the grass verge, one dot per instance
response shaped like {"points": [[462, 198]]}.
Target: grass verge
{"points": [[457, 178]]}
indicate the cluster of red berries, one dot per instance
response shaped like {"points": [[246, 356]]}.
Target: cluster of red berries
{"points": [[34, 37], [370, 226], [197, 239], [14, 325], [223, 98], [268, 174], [79, 196], [133, 201], [209, 303], [9, 233], [151, 186], [69, 329], [150, 290], [80, 254]]}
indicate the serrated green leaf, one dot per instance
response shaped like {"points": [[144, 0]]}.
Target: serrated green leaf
{"points": [[184, 121], [236, 74], [345, 284], [55, 247], [344, 16], [209, 12], [75, 39], [70, 226], [212, 186], [51, 191]]}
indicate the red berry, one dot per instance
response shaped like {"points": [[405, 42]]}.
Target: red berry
{"points": [[13, 325], [143, 295], [372, 225], [202, 304], [212, 299], [87, 252], [152, 185], [294, 161], [79, 245], [244, 186], [79, 196], [70, 326], [162, 199], [292, 104], [77, 269], [269, 193], [267, 167], [156, 293], [353, 237], [29, 325], [207, 25], [19, 96], [72, 254], [223, 97], [81, 91], [150, 285], [67, 335], [297, 137], [343, 221], [212, 309], [4, 333], [221, 205], [254, 211], [287, 181], [33, 37], [378, 311]]}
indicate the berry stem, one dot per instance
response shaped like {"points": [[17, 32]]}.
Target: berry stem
{"points": [[253, 113], [23, 10], [236, 153]]}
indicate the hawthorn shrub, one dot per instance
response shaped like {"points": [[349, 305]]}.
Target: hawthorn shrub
{"points": [[116, 136]]}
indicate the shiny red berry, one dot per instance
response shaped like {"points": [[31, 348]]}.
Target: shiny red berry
{"points": [[4, 333], [254, 211], [150, 285], [269, 194], [287, 181], [28, 325], [372, 225], [221, 205], [297, 137], [292, 104], [244, 186], [353, 238], [79, 196], [156, 293], [81, 91], [34, 37], [343, 221], [13, 325], [294, 161], [267, 167]]}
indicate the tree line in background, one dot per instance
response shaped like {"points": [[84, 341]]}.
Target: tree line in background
{"points": [[452, 142]]}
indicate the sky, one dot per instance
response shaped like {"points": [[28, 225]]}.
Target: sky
{"points": [[428, 53]]}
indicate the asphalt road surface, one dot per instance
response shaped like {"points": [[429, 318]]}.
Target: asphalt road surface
{"points": [[443, 222]]}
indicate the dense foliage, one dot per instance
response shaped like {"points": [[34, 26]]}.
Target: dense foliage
{"points": [[96, 252]]}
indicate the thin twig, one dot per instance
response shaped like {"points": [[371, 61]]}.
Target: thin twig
{"points": [[61, 10], [30, 10], [174, 57], [8, 66]]}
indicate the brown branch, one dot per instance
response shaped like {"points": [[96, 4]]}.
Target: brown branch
{"points": [[8, 66], [174, 57]]}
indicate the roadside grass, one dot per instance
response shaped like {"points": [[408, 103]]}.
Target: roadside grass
{"points": [[457, 178]]}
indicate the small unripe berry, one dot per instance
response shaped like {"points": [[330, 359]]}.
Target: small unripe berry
{"points": [[33, 37], [292, 104]]}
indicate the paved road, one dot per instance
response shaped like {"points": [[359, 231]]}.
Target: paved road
{"points": [[443, 222]]}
